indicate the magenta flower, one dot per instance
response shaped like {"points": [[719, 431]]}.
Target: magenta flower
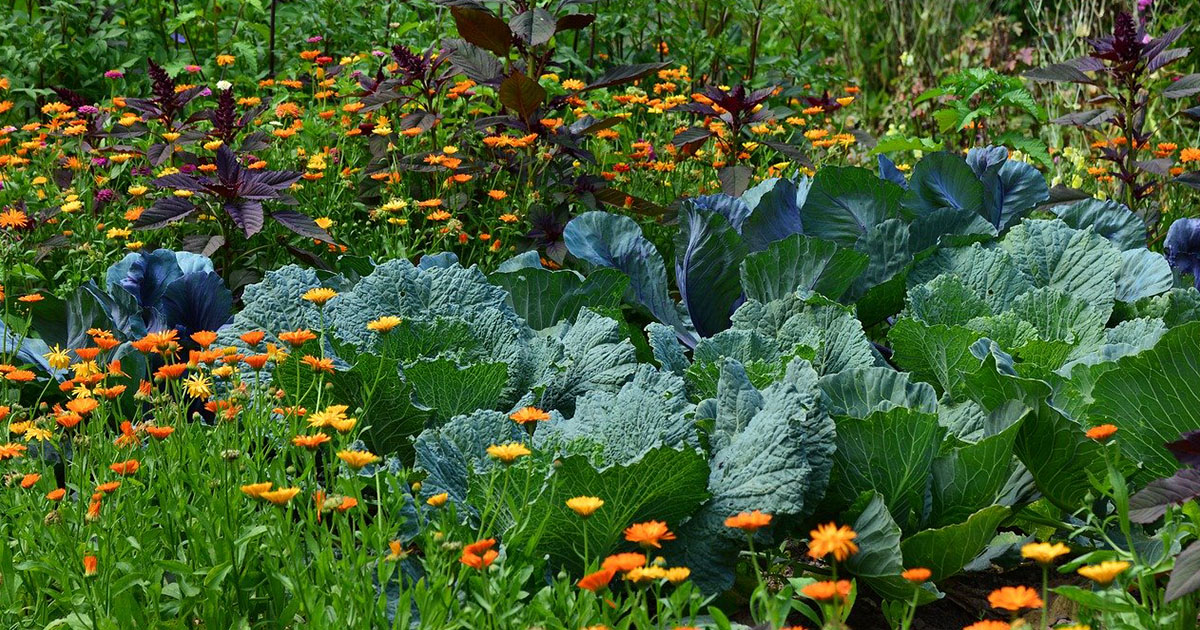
{"points": [[113, 74]]}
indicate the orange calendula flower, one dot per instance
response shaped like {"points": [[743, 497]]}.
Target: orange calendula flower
{"points": [[917, 575], [1102, 432], [595, 581], [989, 624], [204, 338], [649, 534], [91, 566], [297, 337], [1190, 154], [225, 60], [255, 490], [479, 555], [585, 506], [170, 372], [252, 338], [318, 365], [29, 480], [624, 561], [280, 496], [826, 591], [56, 494], [160, 433], [396, 550], [20, 376], [480, 546], [1014, 598], [748, 521], [12, 218], [82, 406], [127, 467], [256, 361], [108, 488], [529, 414], [830, 539], [1105, 572], [310, 442], [1045, 553], [497, 194], [357, 459]]}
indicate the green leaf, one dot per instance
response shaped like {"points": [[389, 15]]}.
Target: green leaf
{"points": [[945, 300], [1082, 264], [845, 202], [1143, 274], [543, 297], [889, 255], [609, 240], [451, 390], [945, 551], [664, 484], [971, 476], [936, 354], [859, 392], [890, 452], [1152, 397], [879, 561], [708, 254], [1107, 600], [772, 453], [811, 322], [943, 180], [800, 262], [992, 274], [1108, 218], [650, 410], [595, 356]]}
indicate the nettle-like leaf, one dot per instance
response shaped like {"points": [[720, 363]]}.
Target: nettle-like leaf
{"points": [[241, 193]]}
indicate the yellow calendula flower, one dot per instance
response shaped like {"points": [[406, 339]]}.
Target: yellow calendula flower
{"points": [[384, 324], [319, 295], [585, 506], [357, 459], [58, 358], [1105, 572], [198, 386], [507, 453], [1044, 553], [438, 500]]}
